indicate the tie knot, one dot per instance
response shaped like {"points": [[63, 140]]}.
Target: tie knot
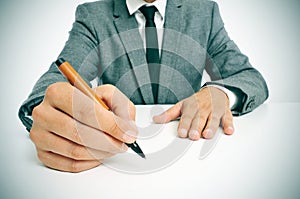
{"points": [[148, 12]]}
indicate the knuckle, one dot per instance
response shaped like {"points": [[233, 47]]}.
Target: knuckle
{"points": [[199, 124], [75, 133], [106, 89], [113, 128], [186, 117], [203, 118], [37, 112], [82, 111], [108, 86], [76, 152], [214, 122], [228, 115], [215, 118], [187, 103], [42, 156], [200, 127], [185, 124], [227, 118], [54, 90], [75, 166], [33, 135], [75, 129], [196, 120]]}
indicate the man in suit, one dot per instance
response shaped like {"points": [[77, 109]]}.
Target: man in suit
{"points": [[108, 44]]}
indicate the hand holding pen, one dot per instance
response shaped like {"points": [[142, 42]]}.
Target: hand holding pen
{"points": [[74, 78], [73, 133]]}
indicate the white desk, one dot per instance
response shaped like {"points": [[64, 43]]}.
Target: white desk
{"points": [[261, 160]]}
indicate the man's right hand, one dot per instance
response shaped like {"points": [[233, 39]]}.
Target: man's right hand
{"points": [[72, 133]]}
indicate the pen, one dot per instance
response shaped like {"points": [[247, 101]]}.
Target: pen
{"points": [[74, 78]]}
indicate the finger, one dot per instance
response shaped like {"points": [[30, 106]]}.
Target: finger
{"points": [[119, 104], [117, 101], [227, 122], [198, 124], [56, 144], [188, 112], [170, 114], [62, 163], [212, 126], [184, 124], [189, 109], [73, 102], [64, 126]]}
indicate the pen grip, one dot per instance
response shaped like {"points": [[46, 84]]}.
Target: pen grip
{"points": [[77, 81], [74, 78]]}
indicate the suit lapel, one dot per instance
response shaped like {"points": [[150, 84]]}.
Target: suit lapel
{"points": [[127, 28], [172, 31]]}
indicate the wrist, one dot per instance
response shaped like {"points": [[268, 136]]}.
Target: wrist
{"points": [[232, 98]]}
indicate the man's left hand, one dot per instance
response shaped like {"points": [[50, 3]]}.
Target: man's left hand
{"points": [[201, 114]]}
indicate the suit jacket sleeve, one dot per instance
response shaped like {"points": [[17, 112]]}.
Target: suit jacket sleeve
{"points": [[228, 67], [84, 41]]}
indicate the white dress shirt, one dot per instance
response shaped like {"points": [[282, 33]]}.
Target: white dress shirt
{"points": [[159, 19]]}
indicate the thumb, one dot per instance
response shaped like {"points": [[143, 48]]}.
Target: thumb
{"points": [[170, 114]]}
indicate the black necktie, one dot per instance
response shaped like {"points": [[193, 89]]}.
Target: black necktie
{"points": [[152, 53]]}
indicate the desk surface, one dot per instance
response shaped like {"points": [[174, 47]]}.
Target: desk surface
{"points": [[261, 160]]}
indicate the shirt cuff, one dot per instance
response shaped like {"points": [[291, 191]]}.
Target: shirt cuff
{"points": [[231, 96]]}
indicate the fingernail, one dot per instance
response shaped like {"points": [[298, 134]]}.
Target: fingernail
{"points": [[183, 133], [127, 138], [229, 130], [208, 133], [194, 134]]}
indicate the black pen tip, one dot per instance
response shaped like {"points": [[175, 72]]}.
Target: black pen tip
{"points": [[136, 148], [60, 61], [142, 155]]}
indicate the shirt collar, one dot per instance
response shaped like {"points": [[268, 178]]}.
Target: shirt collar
{"points": [[134, 5]]}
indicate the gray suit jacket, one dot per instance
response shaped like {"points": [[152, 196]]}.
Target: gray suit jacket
{"points": [[105, 43]]}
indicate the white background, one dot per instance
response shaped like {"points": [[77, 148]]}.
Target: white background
{"points": [[33, 32]]}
